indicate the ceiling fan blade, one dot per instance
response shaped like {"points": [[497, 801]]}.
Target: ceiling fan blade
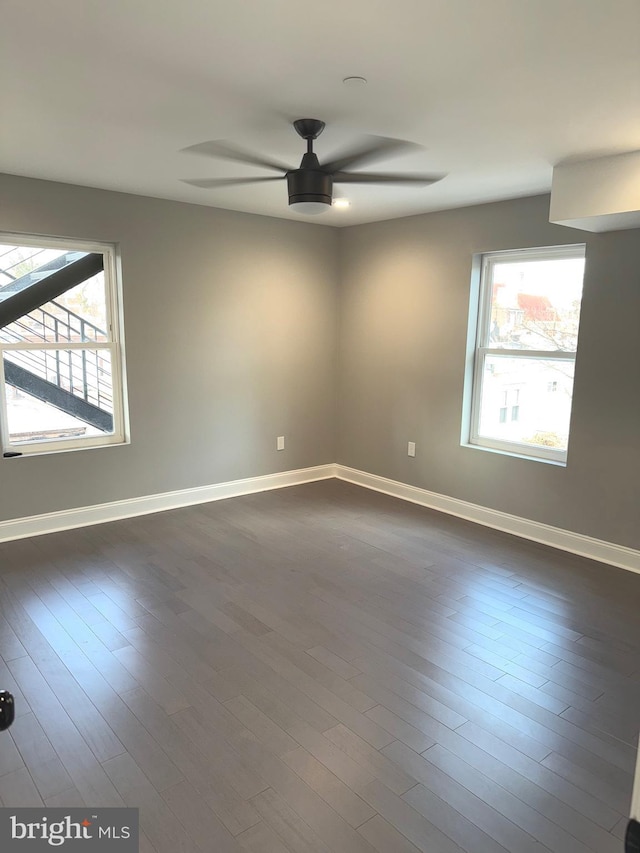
{"points": [[212, 183], [377, 148], [223, 151], [372, 178]]}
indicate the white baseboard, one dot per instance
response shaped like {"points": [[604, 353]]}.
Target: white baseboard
{"points": [[37, 525], [565, 540]]}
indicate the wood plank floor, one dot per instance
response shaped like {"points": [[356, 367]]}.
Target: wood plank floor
{"points": [[322, 668]]}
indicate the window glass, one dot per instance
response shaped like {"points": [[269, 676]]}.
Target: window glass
{"points": [[535, 305], [537, 420]]}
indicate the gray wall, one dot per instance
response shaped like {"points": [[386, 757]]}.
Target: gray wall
{"points": [[405, 288], [230, 324]]}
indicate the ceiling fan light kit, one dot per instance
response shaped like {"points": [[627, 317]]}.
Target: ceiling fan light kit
{"points": [[310, 186], [309, 205]]}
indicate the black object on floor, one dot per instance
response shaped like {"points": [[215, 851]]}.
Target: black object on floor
{"points": [[7, 709], [632, 838]]}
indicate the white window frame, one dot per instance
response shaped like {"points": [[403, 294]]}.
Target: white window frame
{"points": [[115, 347], [482, 349]]}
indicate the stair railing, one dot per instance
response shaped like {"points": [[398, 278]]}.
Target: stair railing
{"points": [[84, 373]]}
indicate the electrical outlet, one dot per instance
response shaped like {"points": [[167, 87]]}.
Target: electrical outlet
{"points": [[411, 448], [280, 442]]}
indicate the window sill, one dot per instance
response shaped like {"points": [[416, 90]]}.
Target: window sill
{"points": [[558, 463], [31, 454]]}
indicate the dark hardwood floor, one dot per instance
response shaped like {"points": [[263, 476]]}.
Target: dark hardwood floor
{"points": [[322, 668]]}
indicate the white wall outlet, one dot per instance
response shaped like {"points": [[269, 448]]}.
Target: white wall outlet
{"points": [[280, 442], [411, 448]]}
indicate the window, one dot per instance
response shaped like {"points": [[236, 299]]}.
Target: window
{"points": [[61, 373], [526, 342]]}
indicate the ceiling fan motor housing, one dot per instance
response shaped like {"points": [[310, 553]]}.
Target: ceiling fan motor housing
{"points": [[309, 183]]}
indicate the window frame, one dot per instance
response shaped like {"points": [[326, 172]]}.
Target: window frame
{"points": [[481, 349], [114, 346]]}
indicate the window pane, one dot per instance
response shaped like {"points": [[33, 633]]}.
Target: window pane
{"points": [[538, 416], [32, 420], [78, 316], [535, 304], [52, 391]]}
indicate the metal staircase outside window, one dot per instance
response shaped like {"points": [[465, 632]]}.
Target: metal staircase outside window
{"points": [[85, 374], [59, 348], [42, 262]]}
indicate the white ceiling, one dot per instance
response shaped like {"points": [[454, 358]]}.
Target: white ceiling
{"points": [[106, 93]]}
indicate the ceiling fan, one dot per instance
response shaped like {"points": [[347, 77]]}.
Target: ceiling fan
{"points": [[311, 184]]}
